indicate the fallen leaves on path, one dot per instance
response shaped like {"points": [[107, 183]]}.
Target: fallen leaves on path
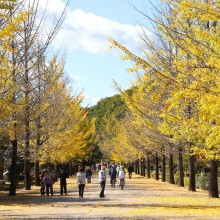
{"points": [[142, 198]]}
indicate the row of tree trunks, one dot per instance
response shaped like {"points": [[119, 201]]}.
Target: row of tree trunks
{"points": [[156, 160], [213, 181], [140, 167]]}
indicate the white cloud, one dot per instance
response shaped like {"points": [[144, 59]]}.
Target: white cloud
{"points": [[52, 6], [89, 31]]}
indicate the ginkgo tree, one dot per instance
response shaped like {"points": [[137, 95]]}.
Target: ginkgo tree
{"points": [[146, 104], [191, 110], [73, 135], [123, 144], [8, 30], [9, 103], [37, 105], [196, 37]]}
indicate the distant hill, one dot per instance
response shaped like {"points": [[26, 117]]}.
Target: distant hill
{"points": [[113, 105]]}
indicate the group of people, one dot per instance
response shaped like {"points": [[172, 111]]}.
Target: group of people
{"points": [[47, 177], [46, 181], [115, 172]]}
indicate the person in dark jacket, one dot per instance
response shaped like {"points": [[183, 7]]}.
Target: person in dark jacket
{"points": [[88, 174], [113, 173], [130, 170], [48, 178], [63, 176]]}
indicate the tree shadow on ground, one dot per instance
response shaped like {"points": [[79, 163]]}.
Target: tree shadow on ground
{"points": [[66, 216], [68, 201]]}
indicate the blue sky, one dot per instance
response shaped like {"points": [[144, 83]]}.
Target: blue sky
{"points": [[90, 65]]}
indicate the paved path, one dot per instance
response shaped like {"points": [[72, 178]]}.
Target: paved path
{"points": [[142, 198]]}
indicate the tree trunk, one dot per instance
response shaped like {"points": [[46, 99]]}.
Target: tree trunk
{"points": [[27, 152], [164, 168], [180, 164], [171, 174], [144, 166], [135, 167], [27, 160], [37, 166], [14, 155], [138, 167], [213, 180], [1, 172], [27, 178], [148, 167], [192, 173], [141, 170], [37, 173], [27, 112], [13, 171], [156, 167]]}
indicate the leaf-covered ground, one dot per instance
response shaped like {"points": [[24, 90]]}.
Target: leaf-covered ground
{"points": [[142, 198]]}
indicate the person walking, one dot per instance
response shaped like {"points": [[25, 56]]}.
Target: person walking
{"points": [[121, 176], [109, 172], [81, 181], [102, 181], [63, 176], [130, 170], [113, 174], [42, 183], [117, 169], [88, 174], [48, 182]]}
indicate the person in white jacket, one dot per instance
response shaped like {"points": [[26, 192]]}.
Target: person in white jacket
{"points": [[102, 181], [81, 181], [121, 174]]}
